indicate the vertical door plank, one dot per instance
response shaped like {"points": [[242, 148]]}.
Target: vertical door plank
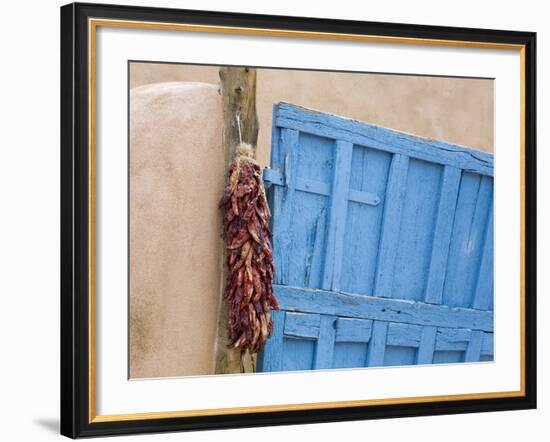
{"points": [[482, 297], [395, 195], [273, 353], [337, 215], [416, 232], [442, 236], [377, 345], [369, 173], [473, 351], [283, 205], [467, 241], [479, 231], [427, 345], [324, 353]]}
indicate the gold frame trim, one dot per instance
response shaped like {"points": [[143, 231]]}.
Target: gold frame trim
{"points": [[93, 24]]}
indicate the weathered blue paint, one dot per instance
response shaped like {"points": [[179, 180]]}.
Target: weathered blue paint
{"points": [[325, 344], [270, 358], [387, 251], [442, 235], [473, 351], [369, 172], [377, 348], [337, 216], [353, 330], [383, 246], [426, 347], [416, 230], [275, 177], [302, 325], [376, 137], [324, 302], [483, 299]]}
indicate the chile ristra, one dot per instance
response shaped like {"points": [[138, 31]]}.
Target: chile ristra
{"points": [[248, 289]]}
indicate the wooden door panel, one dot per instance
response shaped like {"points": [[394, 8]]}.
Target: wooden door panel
{"points": [[383, 246]]}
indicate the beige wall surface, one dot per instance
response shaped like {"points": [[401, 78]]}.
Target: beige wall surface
{"points": [[456, 110], [177, 174]]}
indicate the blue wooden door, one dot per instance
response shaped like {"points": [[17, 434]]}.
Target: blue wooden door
{"points": [[383, 246]]}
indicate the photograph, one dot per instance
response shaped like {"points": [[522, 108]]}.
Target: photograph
{"points": [[285, 219], [275, 220]]}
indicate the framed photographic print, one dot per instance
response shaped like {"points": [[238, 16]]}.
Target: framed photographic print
{"points": [[276, 220]]}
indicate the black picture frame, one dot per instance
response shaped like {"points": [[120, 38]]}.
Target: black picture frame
{"points": [[75, 219]]}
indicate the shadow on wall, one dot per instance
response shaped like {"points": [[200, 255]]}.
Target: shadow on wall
{"points": [[49, 424]]}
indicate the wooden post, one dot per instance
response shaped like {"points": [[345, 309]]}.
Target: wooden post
{"points": [[238, 89]]}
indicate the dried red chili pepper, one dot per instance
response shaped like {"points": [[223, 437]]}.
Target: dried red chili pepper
{"points": [[248, 288]]}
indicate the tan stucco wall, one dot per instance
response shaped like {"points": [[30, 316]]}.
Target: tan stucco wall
{"points": [[452, 109], [176, 178]]}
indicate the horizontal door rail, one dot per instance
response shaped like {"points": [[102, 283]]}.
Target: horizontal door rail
{"points": [[381, 309], [306, 326], [272, 176], [375, 137]]}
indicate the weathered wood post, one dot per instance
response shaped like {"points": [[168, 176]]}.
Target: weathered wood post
{"points": [[238, 89]]}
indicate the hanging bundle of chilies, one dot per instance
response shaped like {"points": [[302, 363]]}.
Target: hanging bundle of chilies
{"points": [[250, 267]]}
